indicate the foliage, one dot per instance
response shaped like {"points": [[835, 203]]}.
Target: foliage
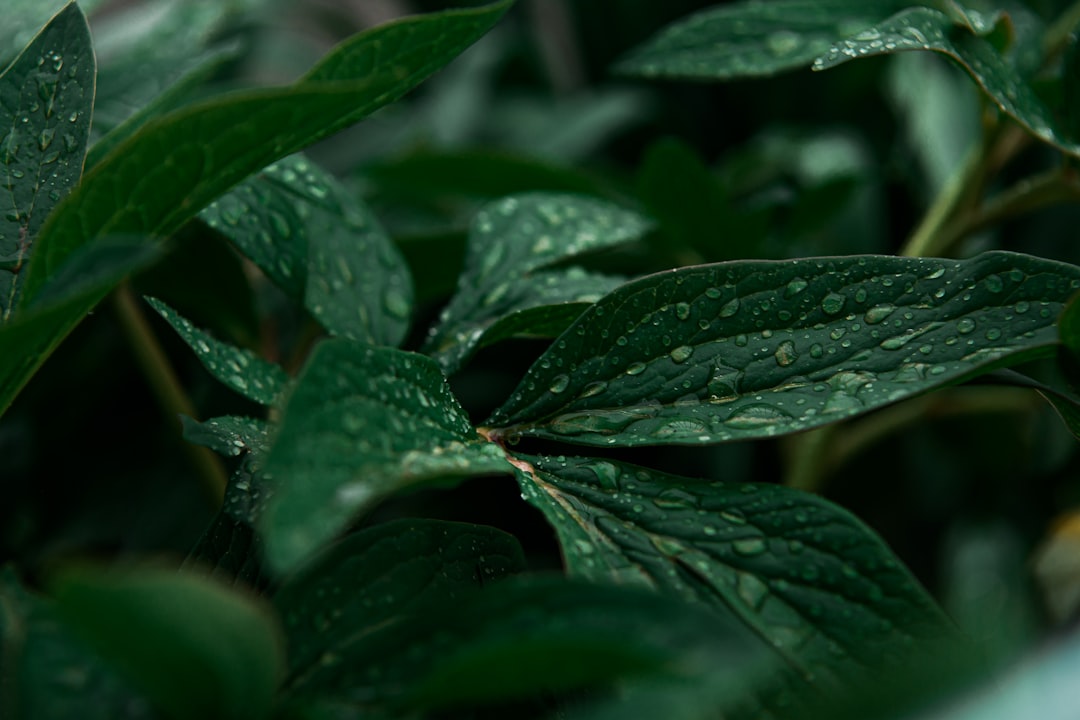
{"points": [[716, 390]]}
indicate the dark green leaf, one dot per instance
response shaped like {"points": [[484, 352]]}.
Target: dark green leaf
{"points": [[46, 98], [378, 575], [802, 574], [751, 39], [176, 164], [241, 370], [923, 28], [23, 18], [522, 638], [229, 435], [755, 349], [509, 241], [317, 242], [362, 422], [192, 645], [82, 282]]}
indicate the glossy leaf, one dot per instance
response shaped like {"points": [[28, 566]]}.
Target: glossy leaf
{"points": [[322, 245], [362, 422], [923, 28], [230, 435], [753, 39], [755, 349], [376, 576], [34, 333], [523, 638], [241, 370], [510, 242], [175, 165], [23, 19], [46, 99], [802, 574], [190, 644]]}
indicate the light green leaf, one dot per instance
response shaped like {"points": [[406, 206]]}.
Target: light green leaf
{"points": [[755, 349], [46, 99], [322, 245], [376, 576], [923, 28], [169, 170], [240, 369], [753, 39], [362, 422], [805, 576], [512, 239], [82, 282], [192, 645]]}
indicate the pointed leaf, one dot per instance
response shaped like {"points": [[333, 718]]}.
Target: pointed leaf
{"points": [[923, 28], [376, 576], [23, 19], [753, 39], [754, 349], [229, 435], [362, 422], [802, 574], [46, 99], [241, 370], [320, 244], [509, 241], [192, 645], [164, 174]]}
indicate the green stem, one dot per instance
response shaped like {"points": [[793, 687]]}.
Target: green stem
{"points": [[1057, 35], [163, 382], [927, 236]]}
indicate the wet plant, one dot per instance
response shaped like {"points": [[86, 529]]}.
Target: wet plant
{"points": [[331, 580]]}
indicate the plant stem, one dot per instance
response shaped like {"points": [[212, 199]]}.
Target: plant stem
{"points": [[926, 238], [166, 387]]}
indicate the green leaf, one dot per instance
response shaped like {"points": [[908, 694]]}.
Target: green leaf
{"points": [[376, 576], [47, 673], [169, 170], [241, 370], [230, 435], [82, 282], [319, 243], [753, 39], [362, 422], [195, 647], [804, 575], [509, 242], [523, 638], [755, 349], [23, 19], [923, 28], [46, 99]]}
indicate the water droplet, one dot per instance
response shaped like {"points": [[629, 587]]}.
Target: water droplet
{"points": [[752, 417], [786, 354], [559, 384], [729, 308], [46, 138], [635, 368], [606, 473], [816, 351], [1022, 307], [594, 388], [682, 310], [749, 547], [993, 334], [994, 283], [396, 303], [783, 43], [833, 303], [965, 325], [795, 286], [878, 313], [724, 382], [681, 353]]}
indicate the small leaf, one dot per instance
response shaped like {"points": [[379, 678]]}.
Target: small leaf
{"points": [[802, 574], [241, 370], [509, 241], [923, 28], [753, 39], [192, 645], [46, 99], [374, 577], [319, 244], [229, 435], [362, 422], [755, 349]]}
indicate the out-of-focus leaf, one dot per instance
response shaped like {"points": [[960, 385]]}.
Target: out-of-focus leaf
{"points": [[23, 19]]}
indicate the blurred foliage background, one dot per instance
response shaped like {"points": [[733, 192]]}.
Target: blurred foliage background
{"points": [[964, 484]]}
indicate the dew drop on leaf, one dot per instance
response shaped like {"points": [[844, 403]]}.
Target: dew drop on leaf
{"points": [[833, 303], [559, 384], [681, 353], [730, 308], [749, 547]]}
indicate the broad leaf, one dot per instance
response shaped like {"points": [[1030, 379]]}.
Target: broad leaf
{"points": [[755, 38], [802, 574], [522, 639], [321, 245], [175, 165], [378, 575], [362, 422], [755, 349], [85, 279], [509, 242], [923, 28], [46, 99], [23, 19], [241, 370], [190, 644]]}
